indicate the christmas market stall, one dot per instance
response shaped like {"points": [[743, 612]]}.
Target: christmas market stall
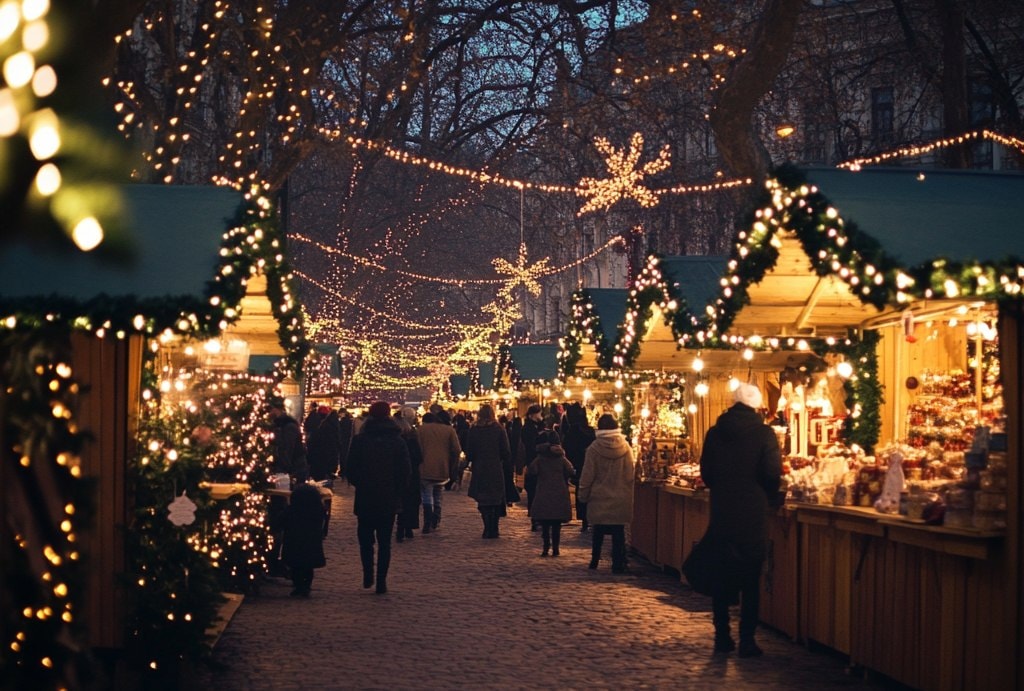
{"points": [[880, 314], [126, 460]]}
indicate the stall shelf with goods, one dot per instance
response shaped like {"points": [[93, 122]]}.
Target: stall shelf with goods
{"points": [[883, 280]]}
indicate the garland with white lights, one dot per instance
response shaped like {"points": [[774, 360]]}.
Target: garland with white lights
{"points": [[837, 248], [46, 503], [175, 591], [254, 244], [584, 328]]}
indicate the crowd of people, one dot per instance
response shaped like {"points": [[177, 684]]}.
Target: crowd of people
{"points": [[401, 465]]}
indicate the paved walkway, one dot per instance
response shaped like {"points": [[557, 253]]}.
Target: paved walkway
{"points": [[462, 612]]}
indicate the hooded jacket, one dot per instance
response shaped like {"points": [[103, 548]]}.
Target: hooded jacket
{"points": [[551, 497], [606, 481], [742, 466]]}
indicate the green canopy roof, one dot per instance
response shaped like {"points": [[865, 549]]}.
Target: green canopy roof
{"points": [[485, 375], [917, 216], [535, 362], [697, 278], [459, 384], [177, 235], [609, 305]]}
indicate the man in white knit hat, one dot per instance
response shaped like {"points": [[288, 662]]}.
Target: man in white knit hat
{"points": [[740, 463]]}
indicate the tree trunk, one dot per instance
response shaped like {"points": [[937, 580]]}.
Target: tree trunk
{"points": [[954, 81], [742, 152]]}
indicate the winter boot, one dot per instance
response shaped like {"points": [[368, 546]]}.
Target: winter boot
{"points": [[366, 556], [723, 638], [546, 536], [428, 518], [436, 519], [487, 524], [556, 538], [382, 576]]}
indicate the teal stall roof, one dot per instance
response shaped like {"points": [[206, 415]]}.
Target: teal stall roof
{"points": [[535, 362], [917, 216], [459, 384], [698, 278], [176, 232], [485, 375], [263, 364], [609, 305]]}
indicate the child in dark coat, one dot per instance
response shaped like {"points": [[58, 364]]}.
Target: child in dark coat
{"points": [[551, 505], [304, 537]]}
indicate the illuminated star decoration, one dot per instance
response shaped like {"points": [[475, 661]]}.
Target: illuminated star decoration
{"points": [[626, 178], [520, 274]]}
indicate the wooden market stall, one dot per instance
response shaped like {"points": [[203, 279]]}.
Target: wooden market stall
{"points": [[180, 275], [901, 292]]}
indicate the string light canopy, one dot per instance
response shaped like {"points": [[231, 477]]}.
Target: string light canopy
{"points": [[585, 188], [538, 270]]}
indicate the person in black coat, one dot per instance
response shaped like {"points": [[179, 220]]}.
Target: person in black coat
{"points": [[378, 467], [533, 425], [304, 537], [323, 443], [742, 467], [409, 516], [345, 433], [577, 435]]}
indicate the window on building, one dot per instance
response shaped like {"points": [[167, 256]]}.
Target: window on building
{"points": [[815, 137], [882, 115]]}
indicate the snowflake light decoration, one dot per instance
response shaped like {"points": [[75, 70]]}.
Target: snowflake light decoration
{"points": [[520, 274], [626, 177]]}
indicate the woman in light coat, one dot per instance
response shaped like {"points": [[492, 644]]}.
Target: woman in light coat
{"points": [[606, 485], [487, 452]]}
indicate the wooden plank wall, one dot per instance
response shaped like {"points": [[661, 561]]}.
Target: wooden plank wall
{"points": [[1011, 343], [109, 372], [670, 530], [644, 529], [779, 583]]}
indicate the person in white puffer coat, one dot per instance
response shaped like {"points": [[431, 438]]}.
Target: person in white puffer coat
{"points": [[606, 485]]}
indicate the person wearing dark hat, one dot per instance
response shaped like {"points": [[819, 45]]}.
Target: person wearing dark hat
{"points": [[551, 506], [741, 465], [533, 426], [378, 467]]}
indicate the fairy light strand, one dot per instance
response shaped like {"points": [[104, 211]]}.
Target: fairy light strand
{"points": [[460, 282]]}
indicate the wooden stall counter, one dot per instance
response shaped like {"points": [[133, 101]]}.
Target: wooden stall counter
{"points": [[916, 602]]}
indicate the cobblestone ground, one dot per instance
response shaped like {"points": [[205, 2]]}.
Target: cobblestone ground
{"points": [[463, 612]]}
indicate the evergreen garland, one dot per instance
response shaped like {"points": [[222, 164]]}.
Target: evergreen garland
{"points": [[254, 244], [46, 503], [173, 582]]}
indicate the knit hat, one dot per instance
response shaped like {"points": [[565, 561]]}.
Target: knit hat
{"points": [[748, 395], [324, 410], [379, 409]]}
